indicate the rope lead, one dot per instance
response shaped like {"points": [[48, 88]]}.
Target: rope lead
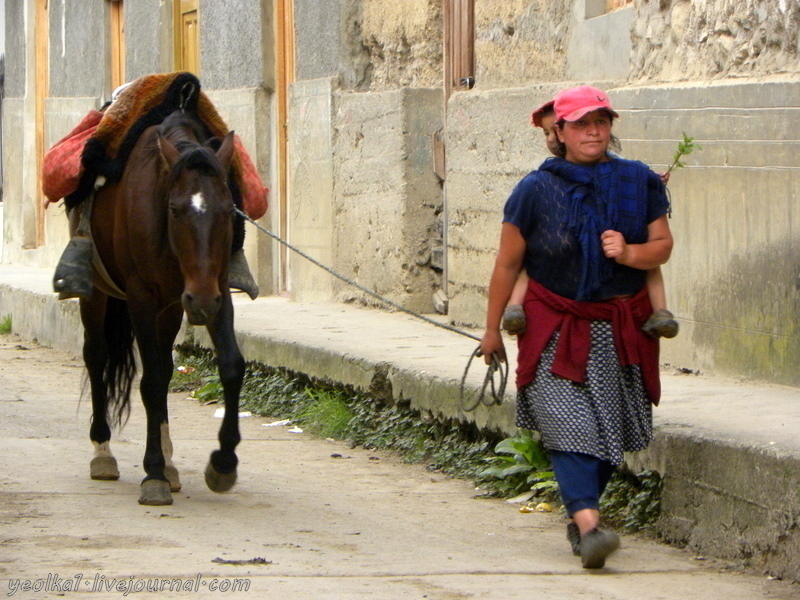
{"points": [[497, 391]]}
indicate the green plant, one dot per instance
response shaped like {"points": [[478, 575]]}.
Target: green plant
{"points": [[522, 464], [5, 325], [685, 147], [632, 502], [211, 391], [327, 415], [457, 449]]}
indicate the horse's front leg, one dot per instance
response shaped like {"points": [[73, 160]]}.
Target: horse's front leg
{"points": [[155, 336], [221, 469]]}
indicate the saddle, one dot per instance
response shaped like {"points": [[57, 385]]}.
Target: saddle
{"points": [[100, 144]]}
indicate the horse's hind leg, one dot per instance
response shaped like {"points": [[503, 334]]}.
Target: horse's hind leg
{"points": [[221, 469], [95, 357]]}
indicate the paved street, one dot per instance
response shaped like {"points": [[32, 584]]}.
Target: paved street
{"points": [[299, 524]]}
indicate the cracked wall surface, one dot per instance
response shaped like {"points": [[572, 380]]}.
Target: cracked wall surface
{"points": [[690, 40]]}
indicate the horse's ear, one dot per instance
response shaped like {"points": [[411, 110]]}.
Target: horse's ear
{"points": [[225, 152], [168, 151]]}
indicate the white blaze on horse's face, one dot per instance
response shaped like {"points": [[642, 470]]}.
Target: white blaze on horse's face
{"points": [[198, 202]]}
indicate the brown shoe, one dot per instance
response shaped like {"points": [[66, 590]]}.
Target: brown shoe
{"points": [[661, 323], [514, 319]]}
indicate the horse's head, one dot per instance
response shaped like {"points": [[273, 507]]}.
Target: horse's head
{"points": [[200, 220]]}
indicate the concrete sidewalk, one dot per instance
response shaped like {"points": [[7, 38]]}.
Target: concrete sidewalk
{"points": [[729, 450]]}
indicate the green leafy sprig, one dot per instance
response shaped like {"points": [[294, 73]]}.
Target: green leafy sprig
{"points": [[685, 147]]}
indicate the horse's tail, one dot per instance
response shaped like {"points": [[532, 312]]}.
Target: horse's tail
{"points": [[121, 366]]}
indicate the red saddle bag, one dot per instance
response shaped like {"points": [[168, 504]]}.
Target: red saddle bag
{"points": [[62, 168]]}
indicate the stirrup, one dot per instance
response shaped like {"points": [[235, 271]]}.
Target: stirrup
{"points": [[239, 276], [73, 276]]}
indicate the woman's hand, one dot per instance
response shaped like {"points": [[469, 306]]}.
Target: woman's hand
{"points": [[492, 343], [614, 245], [653, 253]]}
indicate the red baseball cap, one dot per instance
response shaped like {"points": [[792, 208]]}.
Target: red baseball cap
{"points": [[571, 104], [536, 116]]}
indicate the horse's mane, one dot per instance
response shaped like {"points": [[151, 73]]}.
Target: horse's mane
{"points": [[196, 145]]}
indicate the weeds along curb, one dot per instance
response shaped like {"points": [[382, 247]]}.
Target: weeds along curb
{"points": [[331, 411], [632, 501]]}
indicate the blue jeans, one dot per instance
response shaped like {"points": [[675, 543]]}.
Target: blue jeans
{"points": [[581, 478]]}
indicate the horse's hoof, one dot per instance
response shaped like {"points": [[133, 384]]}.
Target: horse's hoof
{"points": [[219, 482], [104, 468], [171, 473], [155, 492]]}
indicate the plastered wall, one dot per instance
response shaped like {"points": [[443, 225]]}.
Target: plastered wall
{"points": [[734, 276], [386, 194], [365, 199], [733, 279]]}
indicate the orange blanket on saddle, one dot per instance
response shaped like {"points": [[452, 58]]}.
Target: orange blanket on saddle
{"points": [[100, 144]]}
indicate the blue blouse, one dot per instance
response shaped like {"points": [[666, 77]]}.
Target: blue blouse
{"points": [[562, 208]]}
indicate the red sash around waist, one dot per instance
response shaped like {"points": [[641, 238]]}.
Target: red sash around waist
{"points": [[546, 313]]}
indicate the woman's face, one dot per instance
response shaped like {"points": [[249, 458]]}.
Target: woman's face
{"points": [[587, 138]]}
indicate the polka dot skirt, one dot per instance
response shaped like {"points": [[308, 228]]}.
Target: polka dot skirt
{"points": [[605, 416]]}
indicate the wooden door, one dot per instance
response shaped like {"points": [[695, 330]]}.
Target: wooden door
{"points": [[33, 229], [117, 44], [459, 45], [285, 77], [459, 74], [187, 38]]}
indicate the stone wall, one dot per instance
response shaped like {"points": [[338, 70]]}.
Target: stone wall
{"points": [[694, 40], [370, 44], [310, 204], [318, 39], [491, 145], [403, 39], [233, 43], [526, 42], [16, 60], [148, 36], [79, 80], [519, 42]]}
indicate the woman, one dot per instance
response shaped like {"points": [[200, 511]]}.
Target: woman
{"points": [[587, 228]]}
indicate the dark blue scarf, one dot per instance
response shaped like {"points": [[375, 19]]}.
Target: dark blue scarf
{"points": [[610, 195]]}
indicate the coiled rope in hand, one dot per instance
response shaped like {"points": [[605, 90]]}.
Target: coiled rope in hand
{"points": [[496, 390]]}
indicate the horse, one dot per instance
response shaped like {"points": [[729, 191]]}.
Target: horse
{"points": [[162, 240]]}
